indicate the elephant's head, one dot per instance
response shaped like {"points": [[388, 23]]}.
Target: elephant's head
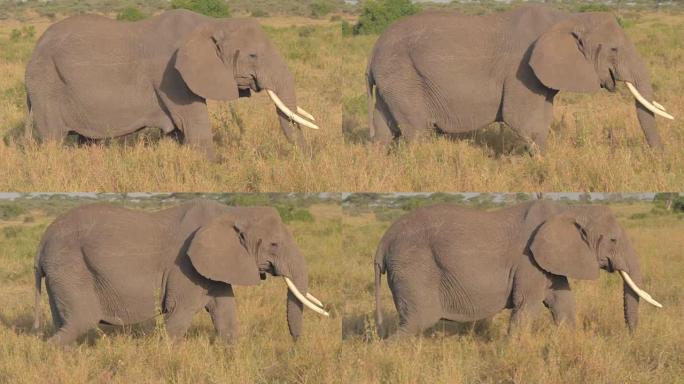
{"points": [[579, 241], [242, 248], [590, 51], [225, 59]]}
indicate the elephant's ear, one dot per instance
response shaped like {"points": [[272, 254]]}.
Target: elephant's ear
{"points": [[217, 253], [558, 247], [202, 68], [558, 62]]}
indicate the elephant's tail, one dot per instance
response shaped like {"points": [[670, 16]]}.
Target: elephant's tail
{"points": [[38, 276], [28, 124], [370, 86], [378, 310], [379, 266]]}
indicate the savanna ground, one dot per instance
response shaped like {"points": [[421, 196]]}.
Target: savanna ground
{"points": [[599, 351], [339, 244], [595, 145], [265, 352]]}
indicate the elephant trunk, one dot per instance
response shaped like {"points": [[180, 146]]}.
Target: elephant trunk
{"points": [[633, 71], [281, 85], [294, 269]]}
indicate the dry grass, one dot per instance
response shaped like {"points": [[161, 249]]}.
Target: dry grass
{"points": [[599, 351], [596, 142], [339, 247], [265, 352]]}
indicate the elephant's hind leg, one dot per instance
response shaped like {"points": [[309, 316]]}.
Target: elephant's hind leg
{"points": [[416, 295], [75, 310]]}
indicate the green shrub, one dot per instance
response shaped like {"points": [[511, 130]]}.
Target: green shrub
{"points": [[291, 213], [11, 210], [15, 35], [377, 15], [678, 204], [347, 29], [320, 8], [130, 14], [259, 13], [213, 8], [593, 8]]}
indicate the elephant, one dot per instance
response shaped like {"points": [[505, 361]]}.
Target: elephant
{"points": [[447, 73], [103, 78], [462, 264], [104, 263]]}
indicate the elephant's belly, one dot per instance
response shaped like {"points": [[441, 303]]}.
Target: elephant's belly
{"points": [[468, 298]]}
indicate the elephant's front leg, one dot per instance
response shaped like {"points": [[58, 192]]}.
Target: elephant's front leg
{"points": [[528, 110], [192, 119], [223, 311], [561, 302]]}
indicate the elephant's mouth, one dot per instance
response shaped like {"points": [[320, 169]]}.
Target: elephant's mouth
{"points": [[247, 83], [265, 270], [611, 84]]}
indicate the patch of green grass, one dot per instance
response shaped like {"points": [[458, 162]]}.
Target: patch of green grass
{"points": [[131, 14]]}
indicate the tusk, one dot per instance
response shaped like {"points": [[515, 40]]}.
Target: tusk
{"points": [[291, 115], [314, 299], [306, 114], [643, 294], [658, 105], [645, 103], [303, 299]]}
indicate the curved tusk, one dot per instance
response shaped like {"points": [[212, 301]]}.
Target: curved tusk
{"points": [[643, 294], [309, 116], [304, 300], [658, 105], [291, 115], [646, 103], [314, 300]]}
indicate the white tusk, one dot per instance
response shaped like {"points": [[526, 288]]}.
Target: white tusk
{"points": [[314, 299], [645, 103], [304, 113], [291, 115], [643, 294], [303, 299], [658, 105]]}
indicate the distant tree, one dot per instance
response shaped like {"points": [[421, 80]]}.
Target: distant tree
{"points": [[213, 8], [130, 14], [320, 8], [377, 15]]}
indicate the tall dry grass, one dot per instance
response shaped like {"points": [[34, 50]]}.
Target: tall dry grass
{"points": [[600, 350], [596, 142], [265, 352]]}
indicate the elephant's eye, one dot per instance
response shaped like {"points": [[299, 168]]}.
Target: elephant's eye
{"points": [[613, 240], [614, 49], [252, 55]]}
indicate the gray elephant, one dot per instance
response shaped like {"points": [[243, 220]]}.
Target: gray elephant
{"points": [[103, 78], [107, 264], [461, 264], [449, 73]]}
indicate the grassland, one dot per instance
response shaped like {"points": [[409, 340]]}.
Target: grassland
{"points": [[339, 245], [595, 145], [265, 352], [599, 351]]}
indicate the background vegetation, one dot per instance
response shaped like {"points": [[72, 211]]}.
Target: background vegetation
{"points": [[599, 351], [595, 145], [265, 352]]}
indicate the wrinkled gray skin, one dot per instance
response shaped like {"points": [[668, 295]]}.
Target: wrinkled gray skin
{"points": [[103, 78], [107, 264], [461, 264], [449, 73]]}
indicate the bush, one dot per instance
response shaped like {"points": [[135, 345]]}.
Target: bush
{"points": [[320, 8], [594, 8], [377, 15], [213, 8], [291, 213], [347, 29], [130, 14], [259, 13], [10, 211]]}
